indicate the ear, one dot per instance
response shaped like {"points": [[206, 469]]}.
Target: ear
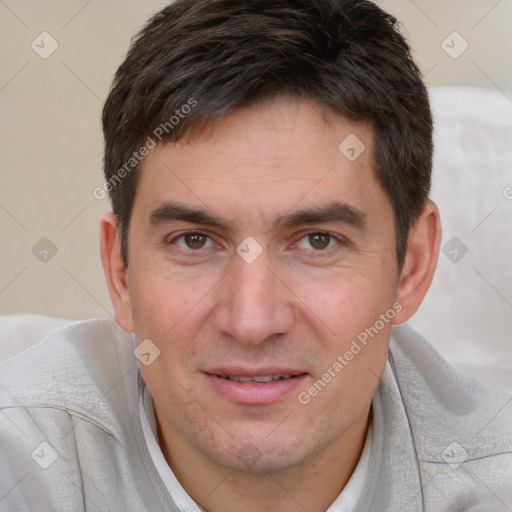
{"points": [[115, 271], [420, 262]]}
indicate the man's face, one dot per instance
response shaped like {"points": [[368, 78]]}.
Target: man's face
{"points": [[271, 179]]}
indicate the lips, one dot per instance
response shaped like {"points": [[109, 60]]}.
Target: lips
{"points": [[255, 386]]}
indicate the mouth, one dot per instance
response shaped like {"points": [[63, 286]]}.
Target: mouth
{"points": [[257, 379], [255, 387]]}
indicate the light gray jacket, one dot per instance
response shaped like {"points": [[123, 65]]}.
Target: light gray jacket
{"points": [[71, 437]]}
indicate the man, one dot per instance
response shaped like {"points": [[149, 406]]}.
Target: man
{"points": [[269, 167]]}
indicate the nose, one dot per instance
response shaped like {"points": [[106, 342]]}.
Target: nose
{"points": [[254, 303]]}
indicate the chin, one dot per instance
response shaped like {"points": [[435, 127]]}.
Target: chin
{"points": [[261, 456]]}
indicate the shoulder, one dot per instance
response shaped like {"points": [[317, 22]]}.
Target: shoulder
{"points": [[71, 369], [461, 429], [66, 406], [424, 376]]}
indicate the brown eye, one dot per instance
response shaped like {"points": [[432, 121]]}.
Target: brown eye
{"points": [[319, 240], [195, 240]]}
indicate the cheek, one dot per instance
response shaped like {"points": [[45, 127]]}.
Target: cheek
{"points": [[347, 301], [162, 299], [355, 346], [175, 314]]}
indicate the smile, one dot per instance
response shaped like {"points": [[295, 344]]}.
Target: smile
{"points": [[255, 387], [262, 379]]}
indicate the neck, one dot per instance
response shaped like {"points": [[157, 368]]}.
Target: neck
{"points": [[311, 485]]}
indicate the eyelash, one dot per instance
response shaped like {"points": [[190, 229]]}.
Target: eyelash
{"points": [[189, 251], [196, 252], [321, 252]]}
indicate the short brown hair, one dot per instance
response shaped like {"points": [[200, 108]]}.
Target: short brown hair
{"points": [[197, 60]]}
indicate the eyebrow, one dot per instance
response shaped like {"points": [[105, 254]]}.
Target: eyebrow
{"points": [[171, 211], [335, 212]]}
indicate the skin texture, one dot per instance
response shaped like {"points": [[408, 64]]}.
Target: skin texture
{"points": [[299, 305]]}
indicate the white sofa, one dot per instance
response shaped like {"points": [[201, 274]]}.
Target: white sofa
{"points": [[467, 313]]}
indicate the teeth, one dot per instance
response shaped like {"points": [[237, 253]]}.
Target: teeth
{"points": [[262, 379], [241, 379], [266, 378]]}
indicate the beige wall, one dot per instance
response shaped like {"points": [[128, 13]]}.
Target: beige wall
{"points": [[484, 24], [50, 138]]}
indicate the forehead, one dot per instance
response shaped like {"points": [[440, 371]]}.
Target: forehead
{"points": [[281, 129], [263, 158]]}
